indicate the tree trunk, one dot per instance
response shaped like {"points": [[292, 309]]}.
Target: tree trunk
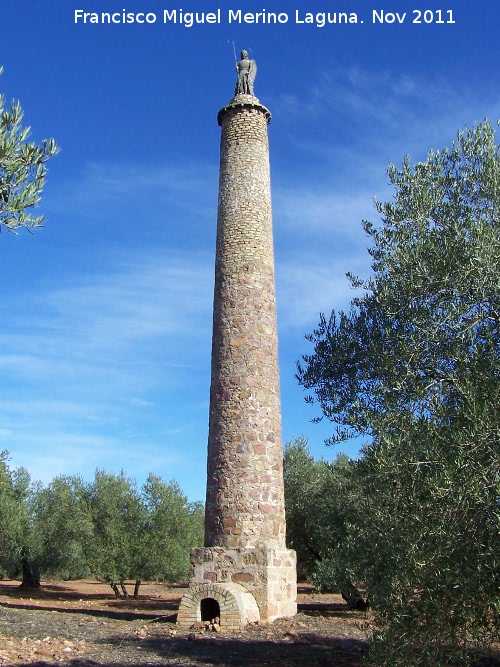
{"points": [[115, 589], [314, 552], [136, 588], [354, 598], [125, 592], [31, 577]]}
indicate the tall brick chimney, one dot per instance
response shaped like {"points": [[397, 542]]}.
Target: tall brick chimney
{"points": [[245, 551]]}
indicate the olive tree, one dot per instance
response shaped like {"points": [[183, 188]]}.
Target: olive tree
{"points": [[13, 516], [118, 517], [414, 365], [138, 534], [22, 169], [19, 544], [63, 522], [173, 526], [323, 512]]}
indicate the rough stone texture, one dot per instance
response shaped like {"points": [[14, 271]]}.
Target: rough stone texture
{"points": [[237, 605], [269, 574], [245, 499], [245, 508]]}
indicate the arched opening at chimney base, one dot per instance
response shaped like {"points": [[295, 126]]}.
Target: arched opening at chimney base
{"points": [[209, 609], [232, 603]]}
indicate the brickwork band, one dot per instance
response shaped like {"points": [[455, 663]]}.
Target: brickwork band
{"points": [[245, 500]]}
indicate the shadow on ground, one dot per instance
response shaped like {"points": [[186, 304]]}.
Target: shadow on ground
{"points": [[101, 605], [207, 651]]}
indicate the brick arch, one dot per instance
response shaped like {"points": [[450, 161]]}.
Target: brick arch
{"points": [[237, 606]]}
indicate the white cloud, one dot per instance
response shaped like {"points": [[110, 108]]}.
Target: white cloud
{"points": [[148, 295], [328, 211], [147, 188], [356, 117], [308, 290], [352, 123], [104, 317], [105, 365]]}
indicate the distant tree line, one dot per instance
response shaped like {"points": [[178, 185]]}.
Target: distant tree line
{"points": [[107, 528]]}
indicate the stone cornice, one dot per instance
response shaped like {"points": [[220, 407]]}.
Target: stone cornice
{"points": [[243, 101]]}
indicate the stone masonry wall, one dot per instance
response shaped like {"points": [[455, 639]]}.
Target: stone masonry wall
{"points": [[245, 500], [268, 574]]}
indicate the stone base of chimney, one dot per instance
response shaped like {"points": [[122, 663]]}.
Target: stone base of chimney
{"points": [[268, 574]]}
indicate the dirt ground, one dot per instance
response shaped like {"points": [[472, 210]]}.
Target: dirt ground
{"points": [[81, 623]]}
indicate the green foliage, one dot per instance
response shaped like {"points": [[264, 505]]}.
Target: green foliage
{"points": [[106, 528], [305, 497], [13, 515], [325, 513], [173, 526], [22, 169], [19, 546], [118, 516], [63, 521], [143, 534], [415, 365], [316, 503]]}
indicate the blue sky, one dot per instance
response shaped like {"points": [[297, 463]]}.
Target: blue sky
{"points": [[106, 312]]}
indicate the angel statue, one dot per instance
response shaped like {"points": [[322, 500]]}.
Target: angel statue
{"points": [[247, 69]]}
